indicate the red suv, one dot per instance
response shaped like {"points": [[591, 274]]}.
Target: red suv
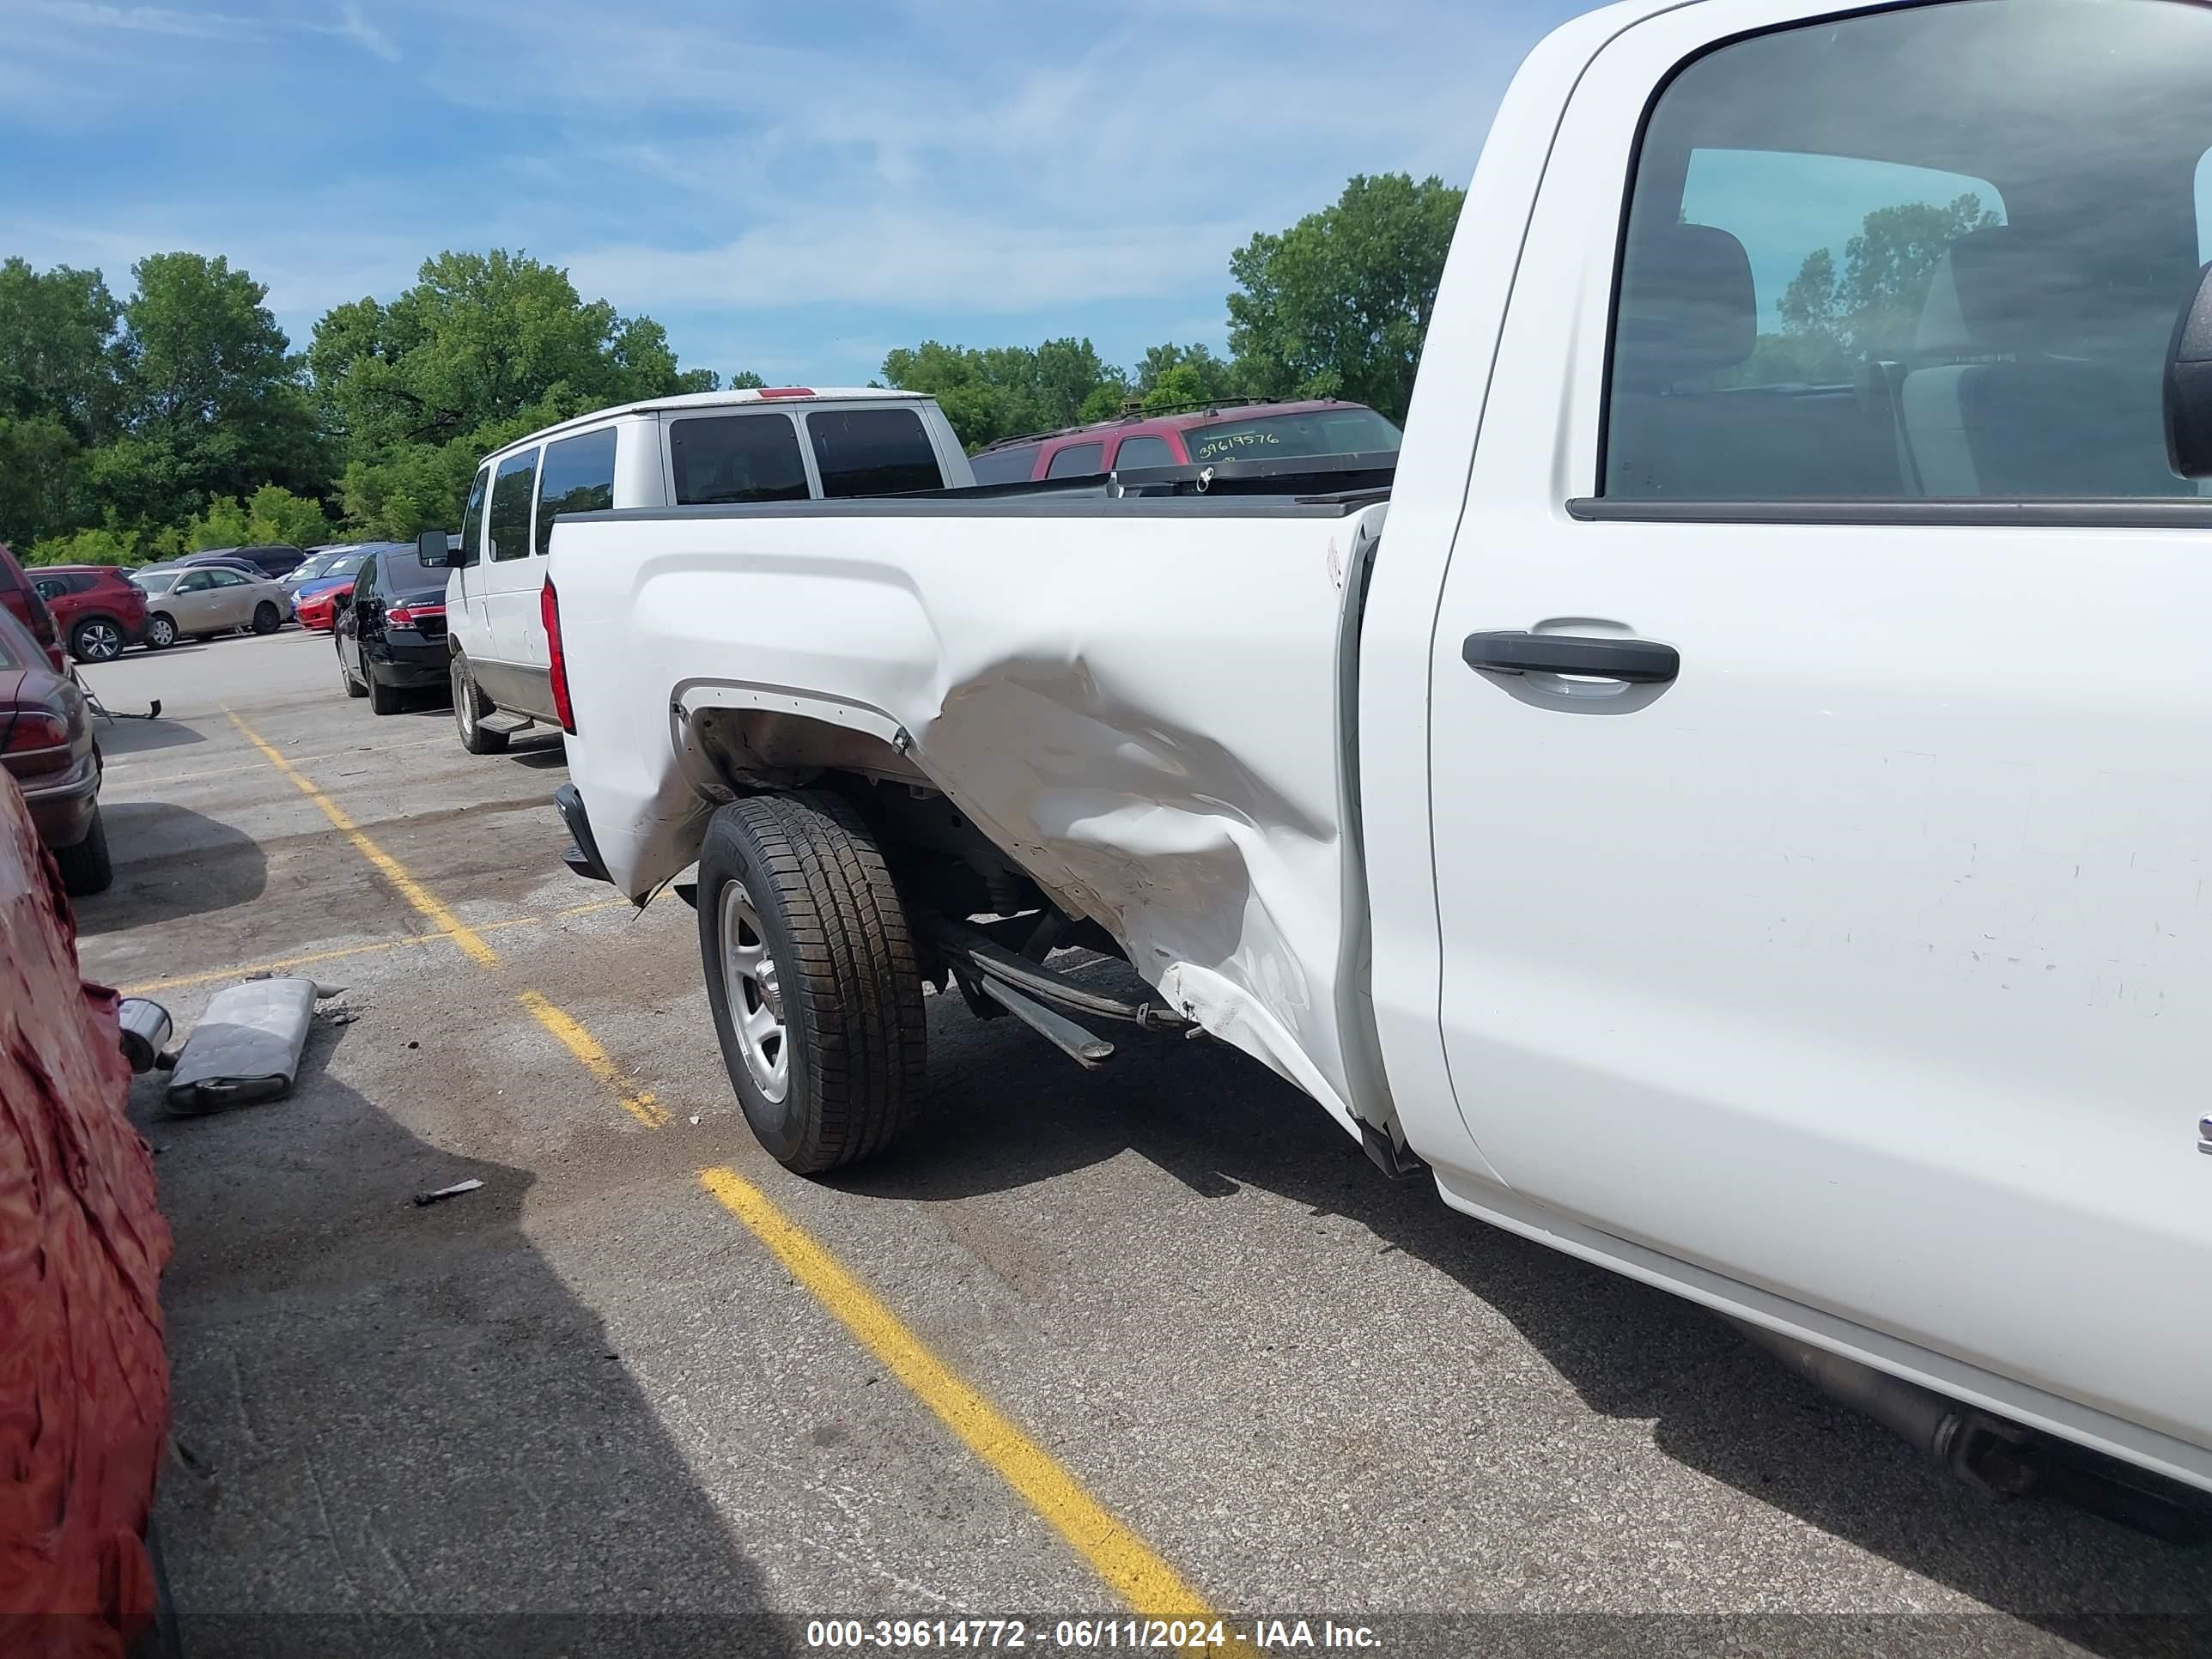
{"points": [[1197, 436], [20, 597], [97, 609]]}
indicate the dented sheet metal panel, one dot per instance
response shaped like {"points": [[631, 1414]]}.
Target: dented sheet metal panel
{"points": [[84, 1387], [1145, 714]]}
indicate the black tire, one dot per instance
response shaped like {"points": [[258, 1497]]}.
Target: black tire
{"points": [[97, 639], [382, 699], [161, 631], [469, 708], [85, 867], [354, 687], [842, 965], [267, 618]]}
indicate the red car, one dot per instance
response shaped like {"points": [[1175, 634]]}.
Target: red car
{"points": [[319, 609], [97, 609], [46, 745], [1212, 432], [21, 600]]}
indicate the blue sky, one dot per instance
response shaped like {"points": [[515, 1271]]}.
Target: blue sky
{"points": [[791, 188]]}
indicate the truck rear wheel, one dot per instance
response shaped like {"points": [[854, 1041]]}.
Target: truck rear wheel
{"points": [[812, 975]]}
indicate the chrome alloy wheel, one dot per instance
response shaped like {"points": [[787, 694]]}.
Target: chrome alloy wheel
{"points": [[749, 981]]}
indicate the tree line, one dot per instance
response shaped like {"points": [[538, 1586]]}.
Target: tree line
{"points": [[182, 418]]}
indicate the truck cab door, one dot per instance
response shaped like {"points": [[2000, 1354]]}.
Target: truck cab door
{"points": [[1820, 717]]}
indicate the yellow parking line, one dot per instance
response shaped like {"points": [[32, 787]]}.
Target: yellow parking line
{"points": [[387, 865], [278, 963], [638, 1103], [1127, 1565], [1124, 1560]]}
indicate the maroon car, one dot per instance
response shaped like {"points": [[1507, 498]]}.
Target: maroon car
{"points": [[46, 745], [1223, 429], [97, 609], [19, 599]]}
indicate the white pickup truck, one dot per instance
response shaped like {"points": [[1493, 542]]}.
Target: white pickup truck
{"points": [[1736, 809]]}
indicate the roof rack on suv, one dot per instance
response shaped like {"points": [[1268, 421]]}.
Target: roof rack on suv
{"points": [[1134, 409]]}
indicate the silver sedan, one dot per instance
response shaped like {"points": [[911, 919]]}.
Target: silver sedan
{"points": [[199, 600]]}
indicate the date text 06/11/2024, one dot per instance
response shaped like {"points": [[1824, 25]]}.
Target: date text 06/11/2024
{"points": [[1089, 1635]]}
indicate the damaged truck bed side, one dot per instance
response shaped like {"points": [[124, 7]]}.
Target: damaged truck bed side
{"points": [[1736, 812]]}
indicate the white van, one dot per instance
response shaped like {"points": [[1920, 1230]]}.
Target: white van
{"points": [[782, 444]]}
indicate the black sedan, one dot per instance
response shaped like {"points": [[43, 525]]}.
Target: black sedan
{"points": [[391, 633]]}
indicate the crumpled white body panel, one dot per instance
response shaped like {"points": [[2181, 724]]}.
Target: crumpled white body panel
{"points": [[1146, 710]]}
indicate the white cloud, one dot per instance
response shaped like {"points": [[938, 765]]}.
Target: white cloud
{"points": [[354, 26], [914, 262], [148, 20], [760, 177]]}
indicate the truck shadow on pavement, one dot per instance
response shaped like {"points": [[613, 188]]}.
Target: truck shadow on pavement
{"points": [[125, 736], [170, 863], [1008, 1114], [399, 1432]]}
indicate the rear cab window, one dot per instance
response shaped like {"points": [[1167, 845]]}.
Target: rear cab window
{"points": [[872, 452], [578, 476], [514, 488], [1924, 254], [1355, 430], [735, 459]]}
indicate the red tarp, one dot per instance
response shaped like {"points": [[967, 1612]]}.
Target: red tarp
{"points": [[84, 1379]]}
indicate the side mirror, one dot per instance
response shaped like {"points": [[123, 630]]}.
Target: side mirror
{"points": [[435, 546], [2189, 387]]}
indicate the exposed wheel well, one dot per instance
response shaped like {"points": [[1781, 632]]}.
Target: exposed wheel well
{"points": [[941, 860]]}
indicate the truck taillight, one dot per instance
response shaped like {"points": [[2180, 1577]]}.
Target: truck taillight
{"points": [[549, 609], [786, 391]]}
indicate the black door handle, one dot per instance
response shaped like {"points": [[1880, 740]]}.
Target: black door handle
{"points": [[1640, 662]]}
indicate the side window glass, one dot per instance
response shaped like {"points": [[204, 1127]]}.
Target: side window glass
{"points": [[734, 458], [512, 489], [872, 452], [1004, 465], [192, 581], [51, 588], [1822, 296], [1143, 452], [1076, 461], [578, 476], [364, 581], [473, 518]]}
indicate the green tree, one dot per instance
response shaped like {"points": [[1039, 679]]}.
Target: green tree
{"points": [[109, 544], [60, 358], [746, 380], [1338, 305], [1834, 317], [1002, 391], [212, 399], [271, 513], [483, 347], [60, 353], [1198, 375]]}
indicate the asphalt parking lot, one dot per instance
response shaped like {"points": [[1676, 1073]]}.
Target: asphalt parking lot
{"points": [[608, 1396]]}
